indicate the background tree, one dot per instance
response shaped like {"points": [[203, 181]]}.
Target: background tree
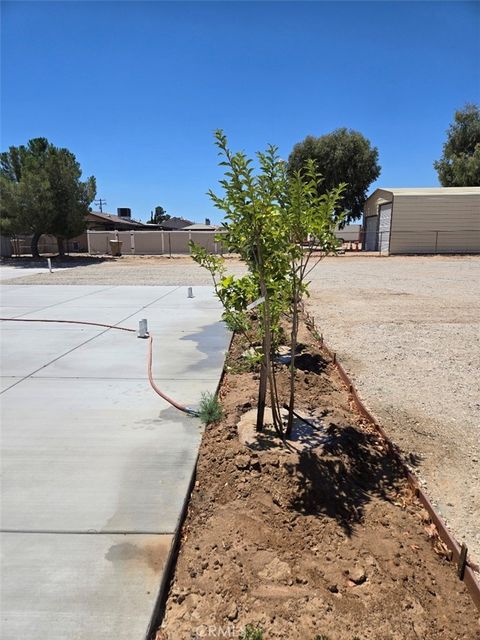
{"points": [[159, 216], [459, 165], [343, 156], [24, 191], [41, 192]]}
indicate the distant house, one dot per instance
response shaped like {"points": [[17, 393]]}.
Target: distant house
{"points": [[96, 221], [201, 227], [172, 224], [99, 221], [349, 233], [423, 220]]}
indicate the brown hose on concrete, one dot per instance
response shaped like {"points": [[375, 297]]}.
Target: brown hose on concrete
{"points": [[175, 404], [92, 324]]}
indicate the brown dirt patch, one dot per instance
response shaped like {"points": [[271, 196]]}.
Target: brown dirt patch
{"points": [[325, 538]]}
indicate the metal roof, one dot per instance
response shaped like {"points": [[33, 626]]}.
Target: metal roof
{"points": [[175, 223], [201, 227], [429, 191], [109, 217]]}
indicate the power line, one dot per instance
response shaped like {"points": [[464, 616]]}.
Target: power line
{"points": [[100, 202]]}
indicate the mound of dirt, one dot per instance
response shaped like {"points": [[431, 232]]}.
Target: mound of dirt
{"points": [[322, 538]]}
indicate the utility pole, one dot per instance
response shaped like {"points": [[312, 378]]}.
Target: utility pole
{"points": [[100, 203]]}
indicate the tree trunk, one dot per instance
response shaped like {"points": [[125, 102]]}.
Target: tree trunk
{"points": [[266, 372], [34, 245], [61, 247], [277, 420], [262, 391], [293, 348]]}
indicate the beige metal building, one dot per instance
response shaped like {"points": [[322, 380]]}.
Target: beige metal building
{"points": [[423, 220]]}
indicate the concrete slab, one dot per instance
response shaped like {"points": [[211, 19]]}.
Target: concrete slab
{"points": [[42, 296], [79, 586], [38, 346], [7, 382], [175, 355], [119, 315], [178, 299], [99, 455], [13, 312], [95, 465], [125, 296], [162, 322], [10, 273]]}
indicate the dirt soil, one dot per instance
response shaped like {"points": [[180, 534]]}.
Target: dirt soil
{"points": [[320, 540]]}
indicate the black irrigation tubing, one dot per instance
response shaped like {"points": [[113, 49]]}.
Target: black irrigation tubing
{"points": [[458, 554], [301, 418]]}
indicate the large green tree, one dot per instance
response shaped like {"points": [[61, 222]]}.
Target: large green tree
{"points": [[42, 192], [459, 165], [159, 216], [342, 156]]}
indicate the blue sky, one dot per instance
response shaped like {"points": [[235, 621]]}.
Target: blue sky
{"points": [[135, 89]]}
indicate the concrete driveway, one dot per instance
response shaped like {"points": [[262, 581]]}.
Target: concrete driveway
{"points": [[11, 272], [95, 465]]}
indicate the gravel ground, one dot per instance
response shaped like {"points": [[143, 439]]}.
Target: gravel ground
{"points": [[408, 331], [141, 270]]}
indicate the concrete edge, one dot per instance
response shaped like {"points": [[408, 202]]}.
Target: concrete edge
{"points": [[158, 612]]}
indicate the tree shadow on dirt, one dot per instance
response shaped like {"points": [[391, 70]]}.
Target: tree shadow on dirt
{"points": [[349, 470]]}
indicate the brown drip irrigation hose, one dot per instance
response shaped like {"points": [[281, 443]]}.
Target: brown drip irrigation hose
{"points": [[175, 404], [93, 324]]}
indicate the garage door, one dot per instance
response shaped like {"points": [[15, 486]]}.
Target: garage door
{"points": [[384, 227], [371, 233]]}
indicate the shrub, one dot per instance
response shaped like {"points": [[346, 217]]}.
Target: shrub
{"points": [[210, 409], [251, 633]]}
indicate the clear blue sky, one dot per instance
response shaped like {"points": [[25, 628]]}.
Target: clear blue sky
{"points": [[135, 89]]}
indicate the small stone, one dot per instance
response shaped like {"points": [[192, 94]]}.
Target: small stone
{"points": [[358, 575], [232, 612], [333, 588], [242, 461]]}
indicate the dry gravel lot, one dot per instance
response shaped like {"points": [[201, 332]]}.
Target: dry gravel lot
{"points": [[141, 270], [408, 331]]}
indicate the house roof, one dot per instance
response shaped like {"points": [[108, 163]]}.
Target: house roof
{"points": [[429, 191], [175, 223], [201, 227], [109, 217]]}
